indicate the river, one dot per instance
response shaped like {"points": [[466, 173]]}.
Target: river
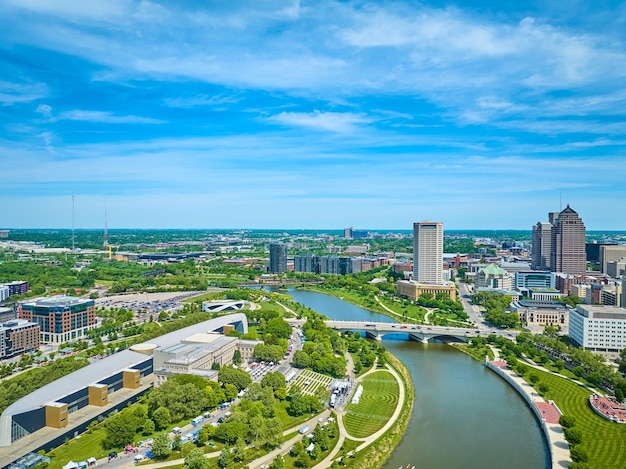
{"points": [[464, 416]]}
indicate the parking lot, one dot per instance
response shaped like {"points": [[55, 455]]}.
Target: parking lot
{"points": [[147, 303]]}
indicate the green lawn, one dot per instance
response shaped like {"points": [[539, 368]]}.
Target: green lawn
{"points": [[377, 403], [605, 441], [314, 380], [79, 449], [408, 312]]}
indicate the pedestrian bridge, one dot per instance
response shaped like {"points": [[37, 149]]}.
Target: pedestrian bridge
{"points": [[418, 332]]}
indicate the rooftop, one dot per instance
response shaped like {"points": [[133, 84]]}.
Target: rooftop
{"points": [[109, 366], [60, 300]]}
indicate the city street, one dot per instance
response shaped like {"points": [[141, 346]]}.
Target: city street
{"points": [[472, 310]]}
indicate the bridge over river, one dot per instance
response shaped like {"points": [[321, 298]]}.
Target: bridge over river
{"points": [[418, 332]]}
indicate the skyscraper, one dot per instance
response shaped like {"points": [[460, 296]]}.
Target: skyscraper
{"points": [[542, 243], [567, 249], [278, 258], [428, 252]]}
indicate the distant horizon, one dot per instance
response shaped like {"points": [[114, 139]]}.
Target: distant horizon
{"points": [[369, 230]]}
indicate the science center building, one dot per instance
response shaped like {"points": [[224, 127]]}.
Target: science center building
{"points": [[64, 408]]}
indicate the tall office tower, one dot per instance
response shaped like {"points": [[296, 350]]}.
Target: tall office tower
{"points": [[347, 233], [278, 258], [567, 251], [428, 252], [542, 242], [552, 217]]}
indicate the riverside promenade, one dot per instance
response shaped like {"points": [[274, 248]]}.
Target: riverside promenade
{"points": [[546, 412]]}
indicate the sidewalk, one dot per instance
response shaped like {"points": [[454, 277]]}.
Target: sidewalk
{"points": [[343, 434], [547, 414]]}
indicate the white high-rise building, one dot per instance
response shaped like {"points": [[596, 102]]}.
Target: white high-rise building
{"points": [[428, 252]]}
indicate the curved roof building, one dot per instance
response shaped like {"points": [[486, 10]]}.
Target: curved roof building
{"points": [[90, 391]]}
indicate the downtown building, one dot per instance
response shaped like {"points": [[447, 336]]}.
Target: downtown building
{"points": [[60, 318], [278, 258], [306, 263], [559, 246], [599, 329], [567, 250], [427, 263], [17, 337]]}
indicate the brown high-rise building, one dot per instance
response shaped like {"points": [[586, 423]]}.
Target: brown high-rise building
{"points": [[542, 243], [567, 250]]}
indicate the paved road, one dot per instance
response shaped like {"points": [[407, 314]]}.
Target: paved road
{"points": [[472, 310]]}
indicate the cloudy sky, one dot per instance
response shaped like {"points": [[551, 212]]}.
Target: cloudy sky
{"points": [[311, 114]]}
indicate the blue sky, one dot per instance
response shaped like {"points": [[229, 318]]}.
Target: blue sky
{"points": [[311, 114]]}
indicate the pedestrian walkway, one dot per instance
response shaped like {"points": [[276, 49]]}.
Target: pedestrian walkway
{"points": [[365, 442], [546, 412]]}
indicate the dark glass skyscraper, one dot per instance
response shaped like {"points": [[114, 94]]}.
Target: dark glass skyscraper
{"points": [[278, 258]]}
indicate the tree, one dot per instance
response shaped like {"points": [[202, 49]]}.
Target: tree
{"points": [[196, 460], [237, 358], [278, 463], [230, 391], [274, 380], [120, 431], [240, 450], [161, 418], [239, 378], [301, 359], [224, 459], [205, 434], [177, 443], [161, 446], [573, 435], [533, 378], [279, 328], [567, 421], [579, 454], [148, 427]]}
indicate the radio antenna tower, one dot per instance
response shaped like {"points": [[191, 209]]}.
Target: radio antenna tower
{"points": [[73, 240], [106, 233]]}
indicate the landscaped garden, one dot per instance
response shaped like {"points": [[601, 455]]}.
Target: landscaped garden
{"points": [[604, 441], [376, 406]]}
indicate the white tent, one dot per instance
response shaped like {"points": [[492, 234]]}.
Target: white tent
{"points": [[71, 465]]}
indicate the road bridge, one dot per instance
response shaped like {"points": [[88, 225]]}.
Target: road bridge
{"points": [[418, 332]]}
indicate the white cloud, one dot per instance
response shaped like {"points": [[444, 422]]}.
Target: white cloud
{"points": [[201, 100], [105, 117], [340, 122], [44, 109], [13, 93]]}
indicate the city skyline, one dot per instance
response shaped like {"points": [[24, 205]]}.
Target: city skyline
{"points": [[296, 115]]}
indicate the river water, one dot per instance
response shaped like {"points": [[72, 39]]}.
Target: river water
{"points": [[464, 416]]}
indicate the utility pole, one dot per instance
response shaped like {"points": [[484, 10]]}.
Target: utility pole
{"points": [[73, 241]]}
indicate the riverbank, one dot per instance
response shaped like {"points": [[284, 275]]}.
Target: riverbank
{"points": [[374, 307], [440, 413], [375, 454], [546, 413]]}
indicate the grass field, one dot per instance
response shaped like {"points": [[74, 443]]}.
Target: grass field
{"points": [[379, 400], [408, 313], [605, 441], [314, 380]]}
